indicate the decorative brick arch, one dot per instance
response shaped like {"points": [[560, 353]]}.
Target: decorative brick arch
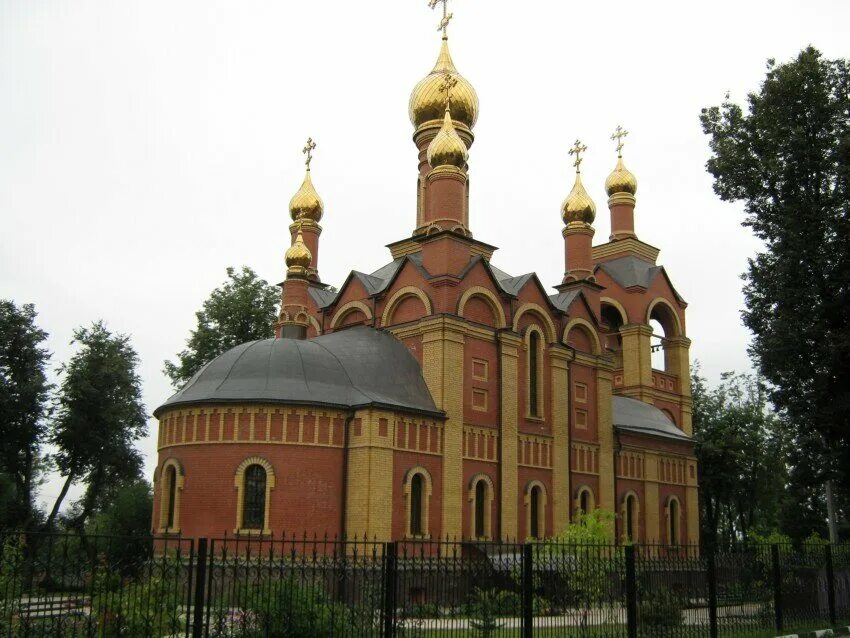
{"points": [[616, 304], [661, 301], [239, 484], [348, 308], [583, 324], [541, 508], [489, 297], [591, 499], [551, 332], [673, 518], [398, 296], [165, 492], [624, 516], [426, 500]]}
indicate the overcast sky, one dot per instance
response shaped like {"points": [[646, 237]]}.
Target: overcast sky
{"points": [[146, 145]]}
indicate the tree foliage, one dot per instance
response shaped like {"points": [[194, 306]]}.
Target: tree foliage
{"points": [[24, 397], [787, 158], [243, 309], [100, 417], [742, 447]]}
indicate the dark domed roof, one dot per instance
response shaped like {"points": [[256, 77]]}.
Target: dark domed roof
{"points": [[642, 418], [351, 368]]}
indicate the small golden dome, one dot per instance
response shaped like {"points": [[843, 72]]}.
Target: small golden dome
{"points": [[621, 180], [306, 203], [447, 149], [298, 257], [427, 101], [578, 207]]}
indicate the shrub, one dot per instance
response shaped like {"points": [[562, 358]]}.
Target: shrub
{"points": [[660, 611]]}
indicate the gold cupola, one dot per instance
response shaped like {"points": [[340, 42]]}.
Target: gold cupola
{"points": [[447, 149], [306, 203], [428, 101], [578, 206], [298, 257], [621, 180]]}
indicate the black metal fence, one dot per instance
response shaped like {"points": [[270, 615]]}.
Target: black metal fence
{"points": [[63, 585]]}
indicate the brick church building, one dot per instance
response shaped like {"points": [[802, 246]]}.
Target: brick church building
{"points": [[440, 396]]}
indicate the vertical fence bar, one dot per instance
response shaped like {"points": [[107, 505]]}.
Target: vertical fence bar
{"points": [[390, 585], [527, 591], [200, 584], [631, 592], [711, 577], [830, 584], [777, 586]]}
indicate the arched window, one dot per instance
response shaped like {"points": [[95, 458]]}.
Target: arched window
{"points": [[254, 481], [630, 518], [673, 527], [535, 373], [171, 483], [535, 502], [254, 498], [417, 490], [535, 512], [480, 501], [584, 503], [416, 505], [171, 487]]}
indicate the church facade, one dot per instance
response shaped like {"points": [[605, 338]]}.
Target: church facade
{"points": [[440, 396]]}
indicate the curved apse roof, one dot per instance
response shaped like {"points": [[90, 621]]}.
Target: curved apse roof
{"points": [[352, 368], [636, 416]]}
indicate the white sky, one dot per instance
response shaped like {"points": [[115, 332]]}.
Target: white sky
{"points": [[145, 145]]}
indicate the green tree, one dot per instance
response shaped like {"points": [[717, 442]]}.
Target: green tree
{"points": [[24, 396], [99, 419], [742, 448], [243, 309], [787, 158]]}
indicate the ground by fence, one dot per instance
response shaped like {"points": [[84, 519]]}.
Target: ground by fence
{"points": [[62, 586]]}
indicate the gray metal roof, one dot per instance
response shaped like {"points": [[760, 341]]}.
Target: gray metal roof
{"points": [[636, 416], [630, 271], [351, 368], [322, 296], [563, 300]]}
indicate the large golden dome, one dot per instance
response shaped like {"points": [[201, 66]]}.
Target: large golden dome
{"points": [[578, 206], [306, 203], [428, 102], [447, 149], [621, 180], [298, 257]]}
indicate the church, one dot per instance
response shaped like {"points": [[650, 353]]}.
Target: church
{"points": [[439, 396]]}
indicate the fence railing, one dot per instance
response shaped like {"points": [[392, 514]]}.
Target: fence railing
{"points": [[62, 585]]}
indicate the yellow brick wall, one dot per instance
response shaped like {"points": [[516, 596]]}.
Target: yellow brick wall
{"points": [[510, 345], [370, 478], [561, 441], [652, 520], [605, 421]]}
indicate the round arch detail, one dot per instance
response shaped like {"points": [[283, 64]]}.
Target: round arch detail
{"points": [[348, 308], [489, 297], [398, 296], [616, 304], [576, 322], [661, 301], [551, 332]]}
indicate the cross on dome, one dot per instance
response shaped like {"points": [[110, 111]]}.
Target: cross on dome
{"points": [[447, 17], [618, 136], [449, 82], [577, 149], [308, 151]]}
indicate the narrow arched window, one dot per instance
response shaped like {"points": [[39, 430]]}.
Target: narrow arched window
{"points": [[631, 523], [533, 381], [416, 501], [254, 498], [171, 486], [674, 522], [584, 502], [480, 503], [534, 514]]}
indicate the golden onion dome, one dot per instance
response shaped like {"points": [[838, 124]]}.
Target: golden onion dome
{"points": [[447, 149], [578, 207], [306, 203], [298, 256], [621, 180], [427, 101]]}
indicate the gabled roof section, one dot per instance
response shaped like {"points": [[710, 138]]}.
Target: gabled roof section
{"points": [[322, 296], [630, 271], [631, 415]]}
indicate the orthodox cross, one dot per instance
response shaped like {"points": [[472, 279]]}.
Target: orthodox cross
{"points": [[618, 136], [577, 149], [447, 17], [449, 82], [308, 151]]}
